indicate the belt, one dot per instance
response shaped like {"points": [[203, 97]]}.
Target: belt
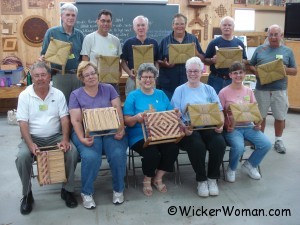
{"points": [[54, 71]]}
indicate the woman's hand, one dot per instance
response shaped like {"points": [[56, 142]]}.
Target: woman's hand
{"points": [[229, 129], [87, 141], [139, 117], [219, 129], [257, 127], [187, 130], [120, 134]]}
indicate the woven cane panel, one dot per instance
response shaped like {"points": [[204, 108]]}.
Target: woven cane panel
{"points": [[101, 119], [226, 56], [179, 53], [109, 69], [58, 52], [271, 71], [142, 54], [205, 114], [51, 167], [162, 125], [247, 112]]}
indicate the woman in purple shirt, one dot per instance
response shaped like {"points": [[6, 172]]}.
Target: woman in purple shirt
{"points": [[97, 95]]}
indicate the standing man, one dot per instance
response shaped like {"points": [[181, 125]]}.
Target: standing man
{"points": [[101, 42], [274, 94], [140, 27], [219, 78], [44, 121], [170, 75], [66, 32]]}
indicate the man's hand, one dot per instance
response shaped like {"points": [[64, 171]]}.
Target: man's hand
{"points": [[132, 74], [64, 145], [34, 148], [42, 58]]}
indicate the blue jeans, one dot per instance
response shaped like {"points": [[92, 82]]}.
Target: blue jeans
{"points": [[91, 158], [217, 82], [235, 140]]}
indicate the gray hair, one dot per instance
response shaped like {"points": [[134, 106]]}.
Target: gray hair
{"points": [[227, 18], [68, 6], [194, 60], [274, 26], [40, 64], [179, 15], [147, 67], [141, 17]]}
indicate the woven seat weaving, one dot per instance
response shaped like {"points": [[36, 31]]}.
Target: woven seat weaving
{"points": [[226, 56], [180, 53], [271, 71], [51, 165]]}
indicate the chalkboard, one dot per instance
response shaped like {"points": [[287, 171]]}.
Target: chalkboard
{"points": [[160, 18]]}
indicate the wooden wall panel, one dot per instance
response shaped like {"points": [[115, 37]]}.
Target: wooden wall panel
{"points": [[29, 54], [26, 53]]}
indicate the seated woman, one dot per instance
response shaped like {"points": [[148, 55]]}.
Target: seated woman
{"points": [[156, 159], [97, 95], [236, 92], [196, 143]]}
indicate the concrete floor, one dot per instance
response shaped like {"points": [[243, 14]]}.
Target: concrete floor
{"points": [[278, 189]]}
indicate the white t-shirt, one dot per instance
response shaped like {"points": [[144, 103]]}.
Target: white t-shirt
{"points": [[94, 45], [43, 116]]}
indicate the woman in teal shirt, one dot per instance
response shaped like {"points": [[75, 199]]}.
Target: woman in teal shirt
{"points": [[156, 159]]}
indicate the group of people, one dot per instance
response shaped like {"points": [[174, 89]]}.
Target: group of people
{"points": [[46, 113]]}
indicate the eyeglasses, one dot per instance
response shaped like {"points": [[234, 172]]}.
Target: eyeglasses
{"points": [[147, 77], [238, 72], [193, 71], [274, 35], [89, 74], [105, 21], [42, 75]]}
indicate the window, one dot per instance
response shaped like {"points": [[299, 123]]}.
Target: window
{"points": [[244, 20]]}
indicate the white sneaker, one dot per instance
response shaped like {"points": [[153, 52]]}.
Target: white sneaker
{"points": [[88, 201], [118, 197], [251, 171], [212, 187], [230, 175], [203, 189], [279, 147]]}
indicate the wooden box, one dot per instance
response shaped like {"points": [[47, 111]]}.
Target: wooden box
{"points": [[51, 165], [226, 56], [58, 52], [101, 119], [109, 69], [243, 113], [270, 72], [205, 115], [161, 127], [180, 53]]}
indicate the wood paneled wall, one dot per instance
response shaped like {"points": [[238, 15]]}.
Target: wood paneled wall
{"points": [[29, 54], [26, 53]]}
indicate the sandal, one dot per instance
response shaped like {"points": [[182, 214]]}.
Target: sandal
{"points": [[147, 189], [160, 186]]}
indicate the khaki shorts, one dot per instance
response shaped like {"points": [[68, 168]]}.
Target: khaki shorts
{"points": [[277, 100]]}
